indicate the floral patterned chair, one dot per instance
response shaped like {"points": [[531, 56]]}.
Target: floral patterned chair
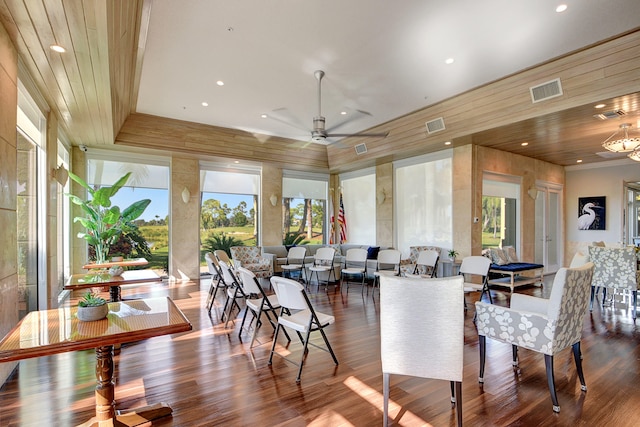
{"points": [[543, 325], [250, 257], [616, 269]]}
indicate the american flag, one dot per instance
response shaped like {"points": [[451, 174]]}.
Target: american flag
{"points": [[342, 222], [332, 227]]}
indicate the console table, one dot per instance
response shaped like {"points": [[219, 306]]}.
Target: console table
{"points": [[95, 280]]}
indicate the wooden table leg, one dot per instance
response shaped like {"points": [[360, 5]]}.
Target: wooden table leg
{"points": [[105, 390], [115, 293]]}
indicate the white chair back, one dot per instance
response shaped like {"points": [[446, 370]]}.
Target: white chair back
{"points": [[356, 255], [428, 258], [325, 254], [475, 265], [296, 255], [248, 281], [222, 256], [389, 257], [290, 293], [227, 274]]}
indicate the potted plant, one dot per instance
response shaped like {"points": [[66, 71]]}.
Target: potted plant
{"points": [[453, 254], [103, 222], [92, 307]]}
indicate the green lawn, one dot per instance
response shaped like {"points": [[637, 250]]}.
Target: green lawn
{"points": [[488, 241]]}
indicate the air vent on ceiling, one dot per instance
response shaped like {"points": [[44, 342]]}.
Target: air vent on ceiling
{"points": [[546, 91], [613, 114], [435, 125], [611, 154], [361, 149]]}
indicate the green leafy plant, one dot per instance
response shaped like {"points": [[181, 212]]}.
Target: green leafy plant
{"points": [[222, 241], [103, 222], [294, 238], [453, 253], [91, 300]]}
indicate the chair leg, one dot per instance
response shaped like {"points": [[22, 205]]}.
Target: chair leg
{"points": [[635, 302], [482, 340], [514, 351], [548, 361], [593, 294], [244, 319], [273, 345], [326, 341], [304, 351], [577, 356], [458, 397], [385, 404]]}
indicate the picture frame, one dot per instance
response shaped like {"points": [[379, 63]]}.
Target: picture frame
{"points": [[592, 213]]}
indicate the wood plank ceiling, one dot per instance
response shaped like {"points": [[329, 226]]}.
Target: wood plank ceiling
{"points": [[92, 90]]}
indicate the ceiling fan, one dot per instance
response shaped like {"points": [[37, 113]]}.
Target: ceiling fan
{"points": [[319, 134]]}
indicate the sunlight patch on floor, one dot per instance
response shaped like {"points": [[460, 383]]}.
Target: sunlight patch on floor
{"points": [[375, 398]]}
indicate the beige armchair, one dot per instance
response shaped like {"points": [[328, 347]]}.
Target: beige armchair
{"points": [[250, 257], [546, 326]]}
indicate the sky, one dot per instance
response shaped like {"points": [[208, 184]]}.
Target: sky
{"points": [[160, 200]]}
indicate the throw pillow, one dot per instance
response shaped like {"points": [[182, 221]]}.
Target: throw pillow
{"points": [[498, 256], [510, 251], [372, 252]]}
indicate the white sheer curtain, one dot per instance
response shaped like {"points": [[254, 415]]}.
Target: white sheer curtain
{"points": [[359, 200], [423, 201]]}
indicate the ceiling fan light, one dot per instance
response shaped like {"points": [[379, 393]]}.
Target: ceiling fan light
{"points": [[634, 155], [623, 144]]}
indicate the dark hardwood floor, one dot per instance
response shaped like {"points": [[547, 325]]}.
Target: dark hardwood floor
{"points": [[210, 377]]}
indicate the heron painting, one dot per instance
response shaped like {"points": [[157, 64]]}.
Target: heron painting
{"points": [[592, 213]]}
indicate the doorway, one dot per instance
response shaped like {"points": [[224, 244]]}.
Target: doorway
{"points": [[548, 226]]}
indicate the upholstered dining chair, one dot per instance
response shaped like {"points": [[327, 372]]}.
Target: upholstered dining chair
{"points": [[427, 263], [295, 262], [323, 263], [546, 326], [435, 348], [355, 264], [258, 303], [616, 269], [250, 257], [217, 280], [298, 314]]}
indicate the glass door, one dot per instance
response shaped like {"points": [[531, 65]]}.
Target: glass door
{"points": [[548, 227]]}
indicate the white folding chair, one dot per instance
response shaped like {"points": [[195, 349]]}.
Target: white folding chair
{"points": [[295, 262], [435, 349], [298, 314], [217, 281], [355, 264], [323, 263], [258, 303], [388, 263], [477, 266], [234, 292], [427, 263]]}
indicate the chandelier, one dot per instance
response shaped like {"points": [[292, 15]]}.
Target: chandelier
{"points": [[621, 142]]}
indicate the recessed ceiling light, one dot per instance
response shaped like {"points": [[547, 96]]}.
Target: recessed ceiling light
{"points": [[599, 106], [57, 48], [524, 144], [343, 113], [447, 143], [561, 8], [579, 161], [237, 161], [448, 61], [205, 104], [264, 116], [220, 83]]}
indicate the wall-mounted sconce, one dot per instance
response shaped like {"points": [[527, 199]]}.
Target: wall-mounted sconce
{"points": [[273, 199], [381, 196], [186, 195], [533, 193], [60, 174]]}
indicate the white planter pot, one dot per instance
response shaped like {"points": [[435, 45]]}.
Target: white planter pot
{"points": [[89, 314]]}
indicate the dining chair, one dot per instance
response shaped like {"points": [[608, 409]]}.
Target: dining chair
{"points": [[222, 256], [250, 257], [234, 292], [217, 281], [435, 349], [616, 269], [545, 325], [476, 267], [297, 313], [388, 263], [427, 263], [295, 262], [355, 264], [323, 263], [258, 303]]}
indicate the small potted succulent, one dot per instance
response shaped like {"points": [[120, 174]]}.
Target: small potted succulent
{"points": [[92, 307], [453, 254]]}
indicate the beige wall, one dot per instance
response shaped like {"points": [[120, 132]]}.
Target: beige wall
{"points": [[8, 154], [384, 205], [272, 216]]}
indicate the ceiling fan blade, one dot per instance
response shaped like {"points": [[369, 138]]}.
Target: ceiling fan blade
{"points": [[356, 115], [367, 134], [283, 115]]}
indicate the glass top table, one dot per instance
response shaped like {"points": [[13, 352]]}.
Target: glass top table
{"points": [[47, 332], [95, 280], [133, 262]]}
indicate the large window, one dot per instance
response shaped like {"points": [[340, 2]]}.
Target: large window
{"points": [[229, 209], [423, 201], [304, 200], [63, 213], [359, 200], [149, 180], [31, 177]]}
